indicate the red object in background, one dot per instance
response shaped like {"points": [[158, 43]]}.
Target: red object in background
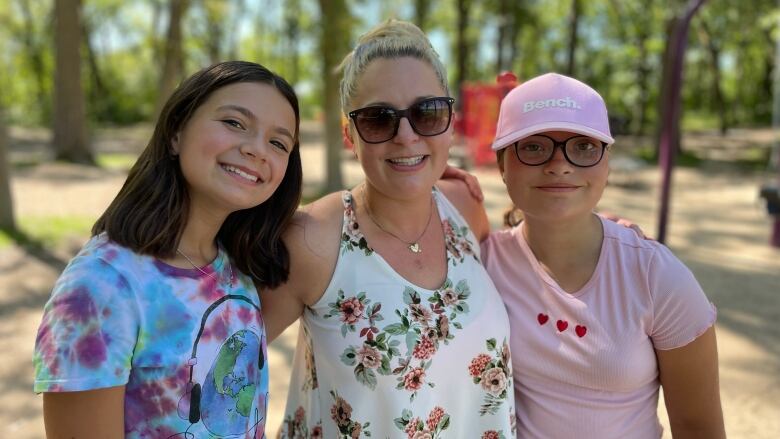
{"points": [[478, 116]]}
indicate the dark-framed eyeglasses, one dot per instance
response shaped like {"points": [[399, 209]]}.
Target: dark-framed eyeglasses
{"points": [[428, 117], [580, 151]]}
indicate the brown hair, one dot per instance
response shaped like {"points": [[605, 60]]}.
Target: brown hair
{"points": [[150, 212], [512, 215]]}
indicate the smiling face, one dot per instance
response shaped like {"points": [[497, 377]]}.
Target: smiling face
{"points": [[556, 190], [234, 149], [408, 164]]}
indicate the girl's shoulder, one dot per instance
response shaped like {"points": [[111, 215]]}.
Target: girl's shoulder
{"points": [[100, 250]]}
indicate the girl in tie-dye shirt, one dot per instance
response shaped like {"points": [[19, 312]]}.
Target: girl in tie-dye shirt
{"points": [[155, 329]]}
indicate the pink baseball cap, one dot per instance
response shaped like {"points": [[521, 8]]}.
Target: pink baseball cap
{"points": [[551, 102]]}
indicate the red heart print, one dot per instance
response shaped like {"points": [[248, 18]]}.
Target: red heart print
{"points": [[562, 325], [542, 318], [580, 330]]}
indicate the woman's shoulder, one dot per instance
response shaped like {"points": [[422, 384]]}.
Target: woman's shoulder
{"points": [[316, 218], [314, 231]]}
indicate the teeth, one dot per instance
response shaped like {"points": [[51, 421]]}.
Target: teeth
{"points": [[240, 173], [407, 161]]}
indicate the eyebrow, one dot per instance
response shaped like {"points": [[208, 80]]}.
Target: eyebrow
{"points": [[387, 104], [243, 110], [246, 112]]}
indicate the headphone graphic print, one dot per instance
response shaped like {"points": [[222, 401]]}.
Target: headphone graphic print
{"points": [[194, 414]]}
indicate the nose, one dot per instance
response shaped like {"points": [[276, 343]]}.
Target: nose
{"points": [[405, 134], [558, 165], [256, 148]]}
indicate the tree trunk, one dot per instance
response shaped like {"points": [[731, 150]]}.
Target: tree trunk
{"points": [[292, 14], [422, 9], [574, 24], [6, 202], [719, 103], [504, 25], [173, 62], [334, 45], [461, 49], [71, 142], [35, 56], [643, 71], [98, 94], [514, 31], [215, 28]]}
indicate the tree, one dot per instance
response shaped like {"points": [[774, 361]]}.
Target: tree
{"points": [[334, 45], [32, 36], [173, 57], [510, 17], [6, 202], [292, 31], [461, 48], [71, 141], [574, 24], [422, 9], [714, 47]]}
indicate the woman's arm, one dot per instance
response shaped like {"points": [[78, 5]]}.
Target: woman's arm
{"points": [[689, 377], [90, 414]]}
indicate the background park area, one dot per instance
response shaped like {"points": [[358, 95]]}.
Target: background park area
{"points": [[82, 81]]}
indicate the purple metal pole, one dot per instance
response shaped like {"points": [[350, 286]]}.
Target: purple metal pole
{"points": [[671, 110]]}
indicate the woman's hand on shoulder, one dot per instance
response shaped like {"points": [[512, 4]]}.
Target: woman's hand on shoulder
{"points": [[472, 210], [454, 173], [84, 415], [625, 223], [312, 239]]}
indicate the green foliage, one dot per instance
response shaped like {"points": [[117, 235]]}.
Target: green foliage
{"points": [[619, 51], [46, 232], [116, 161]]}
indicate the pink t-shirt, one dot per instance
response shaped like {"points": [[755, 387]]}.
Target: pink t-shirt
{"points": [[584, 363]]}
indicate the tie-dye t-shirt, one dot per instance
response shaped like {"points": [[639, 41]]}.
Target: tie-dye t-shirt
{"points": [[189, 346]]}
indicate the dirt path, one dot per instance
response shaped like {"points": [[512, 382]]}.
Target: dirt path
{"points": [[717, 226]]}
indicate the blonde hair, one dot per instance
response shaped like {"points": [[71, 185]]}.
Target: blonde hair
{"points": [[391, 39]]}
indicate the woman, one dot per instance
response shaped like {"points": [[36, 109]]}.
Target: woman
{"points": [[402, 331], [155, 328], [601, 318]]}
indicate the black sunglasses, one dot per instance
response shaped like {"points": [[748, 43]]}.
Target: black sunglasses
{"points": [[428, 117], [580, 151]]}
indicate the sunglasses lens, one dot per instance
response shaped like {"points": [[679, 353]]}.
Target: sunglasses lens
{"points": [[431, 117], [376, 124]]}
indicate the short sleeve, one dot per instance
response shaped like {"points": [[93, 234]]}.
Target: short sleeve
{"points": [[681, 311], [89, 329]]}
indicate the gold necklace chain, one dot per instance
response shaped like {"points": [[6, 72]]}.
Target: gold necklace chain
{"points": [[209, 275], [413, 246]]}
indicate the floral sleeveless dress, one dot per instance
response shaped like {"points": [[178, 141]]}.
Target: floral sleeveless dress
{"points": [[380, 357]]}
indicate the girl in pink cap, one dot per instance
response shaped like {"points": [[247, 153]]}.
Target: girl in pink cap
{"points": [[600, 318]]}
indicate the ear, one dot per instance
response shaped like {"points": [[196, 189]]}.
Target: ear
{"points": [[175, 145], [346, 136]]}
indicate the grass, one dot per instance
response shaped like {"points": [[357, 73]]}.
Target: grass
{"points": [[45, 231], [686, 159], [116, 161], [112, 161], [697, 122]]}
